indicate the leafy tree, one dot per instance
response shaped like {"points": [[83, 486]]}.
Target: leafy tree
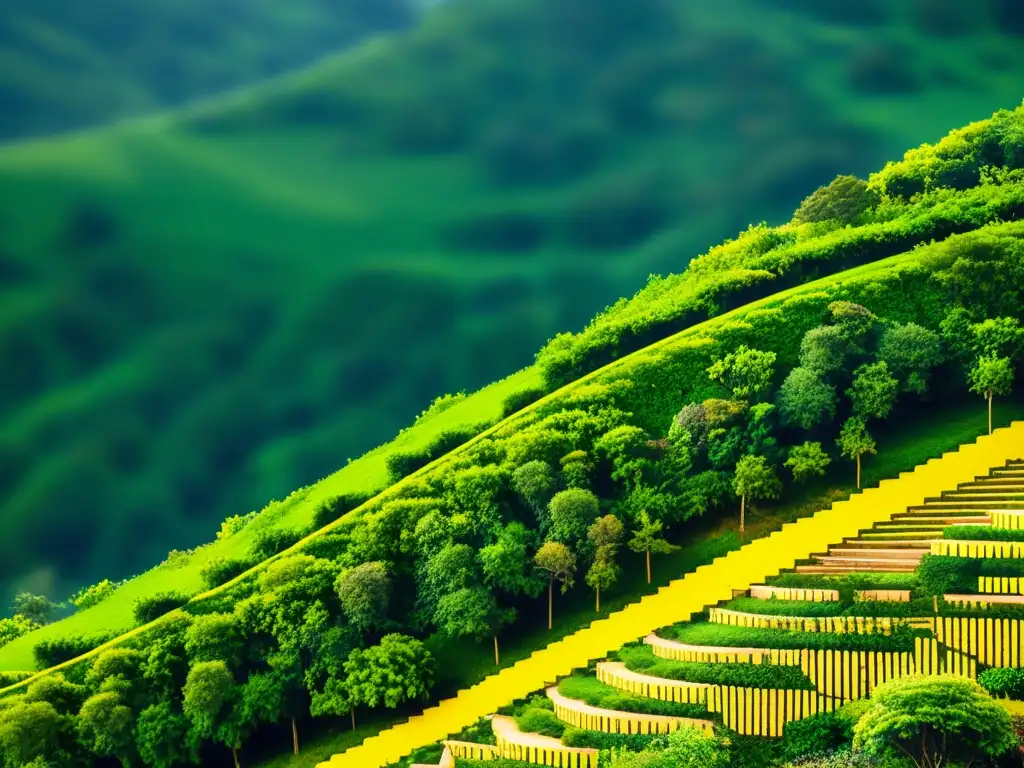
{"points": [[106, 727], [843, 200], [997, 337], [94, 595], [647, 539], [122, 664], [507, 565], [398, 670], [14, 627], [208, 698], [364, 592], [854, 441], [29, 731], [991, 376], [215, 637], [603, 572], [807, 460], [754, 479], [873, 392], [451, 569], [572, 512], [576, 470], [162, 736], [66, 697], [36, 608], [824, 349], [911, 352], [148, 609], [806, 399], [746, 372], [534, 481], [935, 722], [263, 701], [560, 564], [472, 612], [683, 748], [606, 531]]}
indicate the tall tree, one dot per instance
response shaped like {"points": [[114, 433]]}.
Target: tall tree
{"points": [[647, 540], [162, 737], [806, 399], [106, 727], [873, 392], [560, 564], [754, 479], [992, 376], [397, 670], [855, 441], [911, 352], [506, 564], [208, 699], [364, 592], [603, 572], [747, 373], [606, 531], [534, 481], [572, 512], [472, 612]]}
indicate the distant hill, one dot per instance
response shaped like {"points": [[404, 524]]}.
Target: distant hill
{"points": [[66, 64], [207, 309]]}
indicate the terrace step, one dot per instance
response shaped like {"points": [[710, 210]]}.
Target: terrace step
{"points": [[925, 534], [934, 520], [839, 570], [876, 554], [999, 496], [888, 543], [985, 599]]}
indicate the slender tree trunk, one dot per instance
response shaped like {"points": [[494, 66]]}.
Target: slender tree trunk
{"points": [[234, 754], [648, 566], [743, 514], [990, 411], [858, 471], [295, 736], [599, 598], [353, 713], [551, 586], [497, 658]]}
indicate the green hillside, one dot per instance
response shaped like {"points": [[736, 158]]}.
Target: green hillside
{"points": [[68, 65], [212, 308], [879, 355]]}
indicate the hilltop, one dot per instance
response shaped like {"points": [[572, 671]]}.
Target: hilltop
{"points": [[212, 307], [903, 305]]}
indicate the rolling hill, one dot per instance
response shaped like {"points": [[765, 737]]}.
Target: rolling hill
{"points": [[206, 309]]}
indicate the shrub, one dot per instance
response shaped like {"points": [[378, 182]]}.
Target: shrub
{"points": [[597, 694], [10, 678], [541, 721], [94, 595], [843, 200], [901, 638], [834, 608], [220, 571], [51, 652], [815, 735], [642, 659], [332, 509], [330, 546], [981, 533], [941, 574], [847, 584], [577, 737], [521, 398], [1004, 682], [270, 541], [147, 609], [403, 463], [14, 627], [234, 524]]}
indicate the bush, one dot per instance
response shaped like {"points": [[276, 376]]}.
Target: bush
{"points": [[834, 608], [1003, 682], [597, 694], [816, 735], [10, 678], [330, 546], [403, 463], [519, 399], [844, 200], [901, 638], [271, 541], [147, 609], [50, 653], [332, 509], [577, 737], [234, 524], [981, 533], [541, 721], [642, 659], [94, 595], [941, 574], [220, 571], [847, 585]]}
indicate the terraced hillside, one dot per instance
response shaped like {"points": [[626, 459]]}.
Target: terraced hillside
{"points": [[793, 652], [899, 306]]}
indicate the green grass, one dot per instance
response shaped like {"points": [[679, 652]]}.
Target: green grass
{"points": [[642, 659], [597, 694], [743, 637]]}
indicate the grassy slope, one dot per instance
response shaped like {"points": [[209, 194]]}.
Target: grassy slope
{"points": [[189, 284], [901, 448]]}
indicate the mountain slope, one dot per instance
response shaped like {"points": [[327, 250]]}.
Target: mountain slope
{"points": [[212, 308]]}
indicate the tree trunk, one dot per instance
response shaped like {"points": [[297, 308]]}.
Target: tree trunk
{"points": [[234, 754], [497, 658], [990, 411], [551, 586], [858, 471], [743, 514], [599, 598], [353, 713], [295, 736], [648, 566]]}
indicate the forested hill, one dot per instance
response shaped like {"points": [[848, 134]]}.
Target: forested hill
{"points": [[67, 64]]}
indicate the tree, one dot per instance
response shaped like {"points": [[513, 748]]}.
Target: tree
{"points": [[754, 479], [507, 565], [991, 376], [472, 612], [911, 352], [208, 695], [364, 592], [606, 531], [161, 735], [263, 701], [29, 731], [746, 372], [807, 460], [534, 481], [398, 670], [806, 399], [106, 727], [35, 608], [120, 664], [603, 572], [873, 392], [66, 697], [843, 200], [683, 748], [214, 637], [824, 349], [646, 539], [560, 564], [572, 512], [935, 722], [854, 441]]}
